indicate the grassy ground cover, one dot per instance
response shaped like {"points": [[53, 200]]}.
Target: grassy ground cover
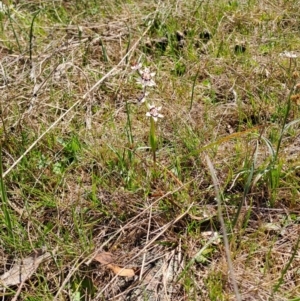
{"points": [[104, 197]]}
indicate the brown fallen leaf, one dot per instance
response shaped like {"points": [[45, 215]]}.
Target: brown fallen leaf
{"points": [[106, 258], [121, 271], [22, 270]]}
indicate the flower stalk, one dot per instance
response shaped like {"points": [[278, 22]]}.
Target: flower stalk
{"points": [[154, 115], [153, 139]]}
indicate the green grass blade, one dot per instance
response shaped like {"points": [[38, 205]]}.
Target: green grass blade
{"points": [[7, 218]]}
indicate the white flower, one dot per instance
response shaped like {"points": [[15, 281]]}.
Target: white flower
{"points": [[153, 112], [142, 98], [288, 54], [146, 78], [146, 83], [136, 66], [146, 73]]}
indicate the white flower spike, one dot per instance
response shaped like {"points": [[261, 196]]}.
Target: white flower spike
{"points": [[154, 112]]}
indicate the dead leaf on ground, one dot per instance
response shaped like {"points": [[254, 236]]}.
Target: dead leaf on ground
{"points": [[121, 271], [22, 270], [106, 258]]}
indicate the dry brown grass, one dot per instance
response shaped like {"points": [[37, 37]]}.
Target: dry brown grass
{"points": [[83, 182]]}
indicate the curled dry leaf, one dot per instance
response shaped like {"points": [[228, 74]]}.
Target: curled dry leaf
{"points": [[121, 271], [22, 270], [106, 258]]}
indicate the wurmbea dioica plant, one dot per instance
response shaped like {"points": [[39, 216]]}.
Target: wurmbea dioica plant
{"points": [[146, 80]]}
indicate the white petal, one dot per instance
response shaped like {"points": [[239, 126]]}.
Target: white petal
{"points": [[154, 118], [142, 99], [160, 116], [151, 83], [141, 82], [136, 66], [148, 114]]}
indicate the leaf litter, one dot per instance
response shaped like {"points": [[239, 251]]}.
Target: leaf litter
{"points": [[23, 269], [107, 259]]}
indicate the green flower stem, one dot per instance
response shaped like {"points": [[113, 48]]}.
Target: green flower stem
{"points": [[153, 139]]}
